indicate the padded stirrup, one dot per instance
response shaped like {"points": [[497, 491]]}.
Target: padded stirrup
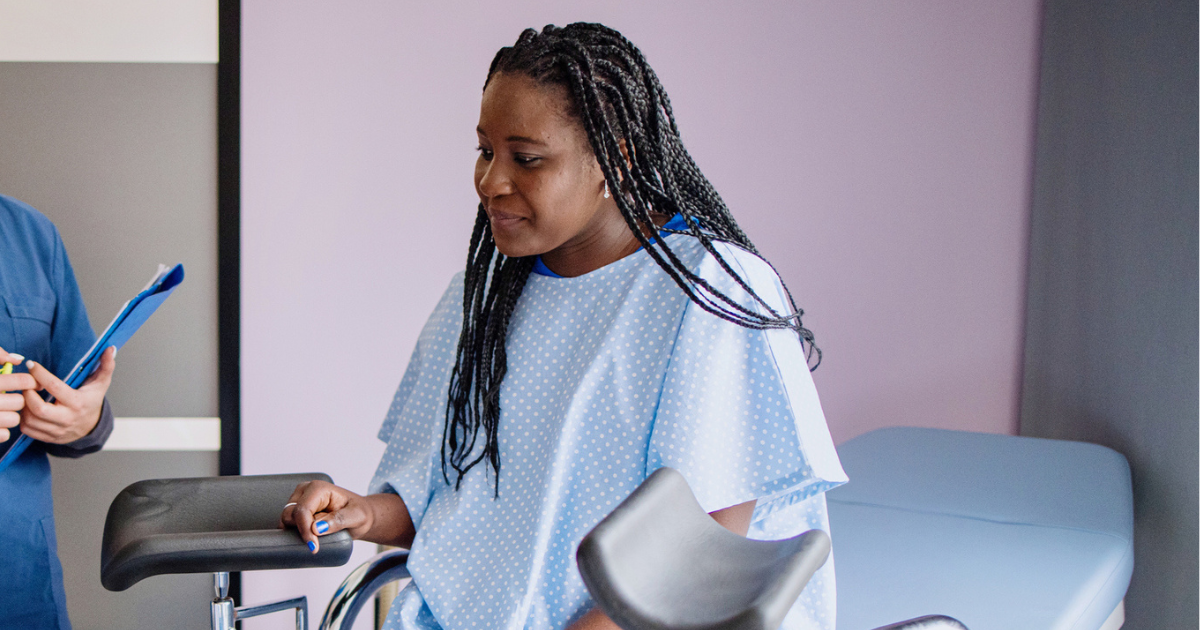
{"points": [[659, 562]]}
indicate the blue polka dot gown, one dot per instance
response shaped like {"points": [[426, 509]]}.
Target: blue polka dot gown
{"points": [[611, 375]]}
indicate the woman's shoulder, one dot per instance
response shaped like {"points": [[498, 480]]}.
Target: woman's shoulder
{"points": [[702, 259], [740, 259], [734, 271], [446, 318], [451, 300]]}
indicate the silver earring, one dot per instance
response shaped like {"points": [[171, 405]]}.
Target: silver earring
{"points": [[606, 195]]}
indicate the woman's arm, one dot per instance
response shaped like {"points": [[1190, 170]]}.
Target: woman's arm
{"points": [[736, 519], [319, 508]]}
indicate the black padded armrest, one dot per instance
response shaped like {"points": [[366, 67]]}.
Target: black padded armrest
{"points": [[207, 525]]}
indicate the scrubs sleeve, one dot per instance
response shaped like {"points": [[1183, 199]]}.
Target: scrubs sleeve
{"points": [[738, 415], [413, 426], [89, 443]]}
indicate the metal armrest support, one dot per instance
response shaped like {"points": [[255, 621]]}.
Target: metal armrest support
{"points": [[299, 604], [225, 614], [362, 583]]}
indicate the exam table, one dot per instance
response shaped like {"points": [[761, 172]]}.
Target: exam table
{"points": [[1000, 532], [994, 531]]}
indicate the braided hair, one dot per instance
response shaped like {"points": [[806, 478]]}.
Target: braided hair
{"points": [[618, 99]]}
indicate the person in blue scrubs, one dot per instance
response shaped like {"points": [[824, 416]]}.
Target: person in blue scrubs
{"points": [[44, 330]]}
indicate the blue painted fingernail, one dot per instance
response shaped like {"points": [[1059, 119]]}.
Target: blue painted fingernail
{"points": [[322, 527], [312, 546]]}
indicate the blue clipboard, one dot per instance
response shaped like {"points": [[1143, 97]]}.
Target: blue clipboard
{"points": [[128, 321]]}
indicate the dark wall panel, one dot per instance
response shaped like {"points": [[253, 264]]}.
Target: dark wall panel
{"points": [[1111, 331]]}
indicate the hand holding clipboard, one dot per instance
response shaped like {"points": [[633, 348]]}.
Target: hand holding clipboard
{"points": [[132, 315]]}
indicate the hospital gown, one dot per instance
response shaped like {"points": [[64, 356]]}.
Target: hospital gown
{"points": [[611, 375]]}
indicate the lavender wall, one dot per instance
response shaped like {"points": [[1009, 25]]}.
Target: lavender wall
{"points": [[877, 152]]}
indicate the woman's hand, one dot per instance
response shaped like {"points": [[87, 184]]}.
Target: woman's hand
{"points": [[594, 619], [317, 508], [11, 404], [74, 412]]}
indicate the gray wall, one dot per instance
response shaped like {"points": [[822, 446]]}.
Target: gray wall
{"points": [[122, 157], [1111, 331]]}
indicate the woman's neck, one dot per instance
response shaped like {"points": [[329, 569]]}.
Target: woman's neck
{"points": [[609, 242]]}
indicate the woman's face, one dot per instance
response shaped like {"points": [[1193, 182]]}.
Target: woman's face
{"points": [[539, 181]]}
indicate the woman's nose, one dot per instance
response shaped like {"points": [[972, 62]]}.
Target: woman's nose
{"points": [[492, 180]]}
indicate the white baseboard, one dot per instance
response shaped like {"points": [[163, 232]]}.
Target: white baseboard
{"points": [[165, 434]]}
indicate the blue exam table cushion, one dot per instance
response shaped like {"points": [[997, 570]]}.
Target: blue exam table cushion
{"points": [[1000, 532]]}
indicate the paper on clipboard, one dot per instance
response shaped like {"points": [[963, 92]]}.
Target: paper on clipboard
{"points": [[129, 319]]}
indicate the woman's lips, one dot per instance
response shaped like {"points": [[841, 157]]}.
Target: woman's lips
{"points": [[503, 219]]}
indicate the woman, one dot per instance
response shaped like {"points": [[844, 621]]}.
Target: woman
{"points": [[612, 319], [43, 318]]}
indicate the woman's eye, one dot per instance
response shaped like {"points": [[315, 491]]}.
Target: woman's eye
{"points": [[525, 159], [486, 154]]}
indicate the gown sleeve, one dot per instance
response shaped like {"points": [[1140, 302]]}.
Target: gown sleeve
{"points": [[738, 415], [413, 426], [403, 391]]}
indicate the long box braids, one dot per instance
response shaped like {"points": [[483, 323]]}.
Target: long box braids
{"points": [[617, 97]]}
